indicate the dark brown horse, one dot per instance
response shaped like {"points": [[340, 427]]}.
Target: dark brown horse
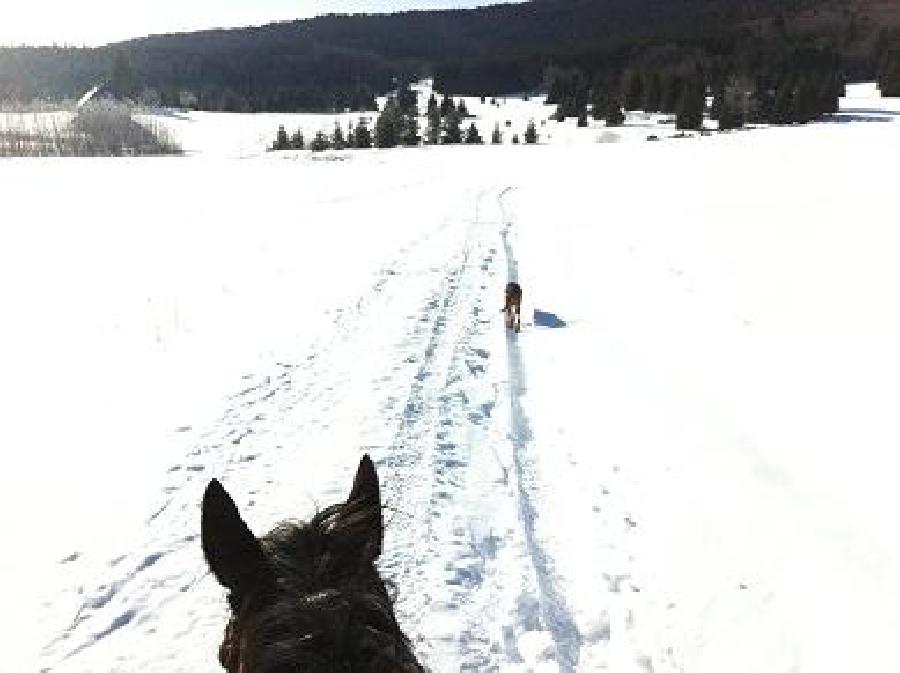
{"points": [[513, 306], [306, 597]]}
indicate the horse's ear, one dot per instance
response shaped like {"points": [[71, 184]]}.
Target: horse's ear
{"points": [[361, 515], [232, 551]]}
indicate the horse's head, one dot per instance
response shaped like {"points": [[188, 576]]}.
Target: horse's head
{"points": [[306, 597]]}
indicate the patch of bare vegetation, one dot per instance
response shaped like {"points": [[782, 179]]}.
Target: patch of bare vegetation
{"points": [[102, 129]]}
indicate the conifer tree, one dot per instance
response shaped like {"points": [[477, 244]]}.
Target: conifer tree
{"points": [[653, 93], [472, 135], [433, 131], [889, 73], [388, 126], [691, 106], [462, 109], [452, 132], [281, 139], [783, 108], [432, 104], [612, 111], [320, 142], [598, 99], [671, 94], [582, 118], [447, 108], [297, 142], [531, 136], [634, 90], [830, 93], [729, 106], [362, 137], [337, 138], [409, 130], [496, 136]]}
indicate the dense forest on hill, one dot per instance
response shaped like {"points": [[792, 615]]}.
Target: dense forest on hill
{"points": [[338, 62]]}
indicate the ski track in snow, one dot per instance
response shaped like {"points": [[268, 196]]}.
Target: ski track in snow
{"points": [[556, 614], [477, 585]]}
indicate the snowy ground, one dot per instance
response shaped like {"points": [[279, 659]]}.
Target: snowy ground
{"points": [[683, 463]]}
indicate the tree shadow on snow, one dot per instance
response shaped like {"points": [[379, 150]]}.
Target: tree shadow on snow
{"points": [[546, 319]]}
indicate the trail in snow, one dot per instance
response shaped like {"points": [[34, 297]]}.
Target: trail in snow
{"points": [[429, 417], [556, 615], [419, 372]]}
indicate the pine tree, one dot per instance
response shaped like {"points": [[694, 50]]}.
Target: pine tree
{"points": [[409, 130], [634, 90], [281, 139], [830, 93], [362, 137], [447, 108], [671, 94], [598, 99], [452, 132], [612, 111], [782, 112], [320, 142], [387, 127], [337, 138], [531, 136], [515, 139], [432, 104], [889, 74], [297, 141], [407, 101], [433, 131], [472, 135], [729, 106], [691, 106], [462, 109], [582, 118], [653, 93], [496, 136]]}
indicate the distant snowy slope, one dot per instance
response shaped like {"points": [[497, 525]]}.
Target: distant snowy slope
{"points": [[684, 462]]}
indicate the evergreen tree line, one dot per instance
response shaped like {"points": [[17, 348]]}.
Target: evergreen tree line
{"points": [[398, 125], [785, 97]]}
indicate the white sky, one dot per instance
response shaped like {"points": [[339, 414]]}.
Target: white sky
{"points": [[93, 22]]}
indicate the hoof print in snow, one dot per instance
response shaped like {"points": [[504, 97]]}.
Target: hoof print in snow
{"points": [[598, 630], [644, 663], [614, 582]]}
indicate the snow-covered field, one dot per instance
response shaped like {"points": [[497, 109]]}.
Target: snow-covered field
{"points": [[684, 462]]}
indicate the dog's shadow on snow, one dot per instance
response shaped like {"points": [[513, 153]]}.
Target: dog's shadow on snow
{"points": [[547, 319]]}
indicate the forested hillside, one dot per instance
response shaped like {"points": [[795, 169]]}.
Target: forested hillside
{"points": [[338, 62]]}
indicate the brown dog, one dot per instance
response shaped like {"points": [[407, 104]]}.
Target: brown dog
{"points": [[513, 306]]}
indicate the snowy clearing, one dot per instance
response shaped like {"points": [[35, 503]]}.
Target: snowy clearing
{"points": [[684, 462]]}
